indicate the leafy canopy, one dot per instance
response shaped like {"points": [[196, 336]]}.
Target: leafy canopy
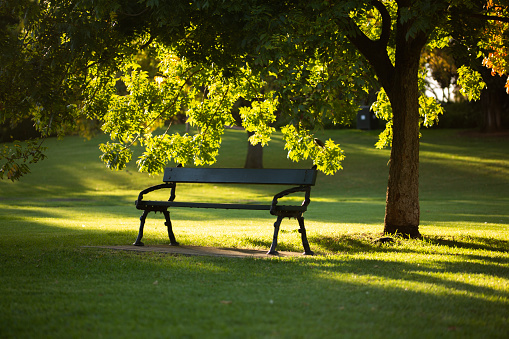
{"points": [[295, 61]]}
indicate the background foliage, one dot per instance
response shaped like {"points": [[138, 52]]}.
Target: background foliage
{"points": [[64, 62]]}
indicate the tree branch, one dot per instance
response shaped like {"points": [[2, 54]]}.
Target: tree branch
{"points": [[133, 15], [386, 22], [175, 99], [375, 51], [145, 45], [490, 17]]}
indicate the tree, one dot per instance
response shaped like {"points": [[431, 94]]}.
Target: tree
{"points": [[318, 57], [492, 97], [443, 70], [494, 101], [254, 156]]}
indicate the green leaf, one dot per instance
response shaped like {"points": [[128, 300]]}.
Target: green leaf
{"points": [[471, 82]]}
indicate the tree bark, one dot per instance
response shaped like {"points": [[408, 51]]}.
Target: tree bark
{"points": [[491, 111], [254, 157], [402, 209], [493, 101], [402, 200]]}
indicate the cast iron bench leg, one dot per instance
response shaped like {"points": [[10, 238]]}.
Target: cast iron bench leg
{"points": [[142, 224], [302, 231], [173, 241], [272, 250]]}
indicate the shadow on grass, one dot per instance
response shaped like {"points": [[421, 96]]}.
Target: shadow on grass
{"points": [[357, 243], [346, 243], [472, 243], [365, 243], [351, 243], [439, 273]]}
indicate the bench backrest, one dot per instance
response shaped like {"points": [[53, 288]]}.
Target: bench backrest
{"points": [[241, 176]]}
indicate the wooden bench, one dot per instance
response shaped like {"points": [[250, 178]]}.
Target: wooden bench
{"points": [[301, 179]]}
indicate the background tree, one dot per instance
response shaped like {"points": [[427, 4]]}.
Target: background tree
{"points": [[64, 59], [443, 70], [494, 101]]}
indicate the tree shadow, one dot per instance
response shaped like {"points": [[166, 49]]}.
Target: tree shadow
{"points": [[346, 243], [473, 243]]}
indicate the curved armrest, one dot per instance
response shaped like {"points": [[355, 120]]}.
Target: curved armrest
{"points": [[307, 200], [155, 188]]}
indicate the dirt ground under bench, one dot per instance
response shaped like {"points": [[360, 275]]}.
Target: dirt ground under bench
{"points": [[200, 250]]}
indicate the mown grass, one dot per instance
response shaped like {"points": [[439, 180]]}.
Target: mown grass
{"points": [[454, 283]]}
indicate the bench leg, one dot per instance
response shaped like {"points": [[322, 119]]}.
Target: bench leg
{"points": [[302, 231], [173, 241], [272, 250], [140, 233]]}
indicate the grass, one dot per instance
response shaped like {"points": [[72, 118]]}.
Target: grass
{"points": [[452, 284]]}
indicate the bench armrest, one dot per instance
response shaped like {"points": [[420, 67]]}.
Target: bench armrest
{"points": [[155, 188], [305, 203]]}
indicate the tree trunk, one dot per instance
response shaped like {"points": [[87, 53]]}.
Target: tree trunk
{"points": [[402, 200], [254, 157], [402, 210], [400, 82], [491, 111], [493, 100]]}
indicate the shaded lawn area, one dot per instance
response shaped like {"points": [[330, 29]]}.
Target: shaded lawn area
{"points": [[454, 283]]}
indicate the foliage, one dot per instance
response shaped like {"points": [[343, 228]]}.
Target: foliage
{"points": [[441, 64], [496, 41], [291, 59], [15, 158], [382, 109], [327, 156], [471, 83], [429, 111]]}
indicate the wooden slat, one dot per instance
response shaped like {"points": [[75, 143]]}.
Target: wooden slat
{"points": [[241, 176]]}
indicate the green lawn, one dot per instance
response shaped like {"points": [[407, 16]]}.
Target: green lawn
{"points": [[452, 284]]}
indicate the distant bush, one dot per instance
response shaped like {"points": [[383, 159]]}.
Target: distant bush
{"points": [[461, 115], [23, 131]]}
